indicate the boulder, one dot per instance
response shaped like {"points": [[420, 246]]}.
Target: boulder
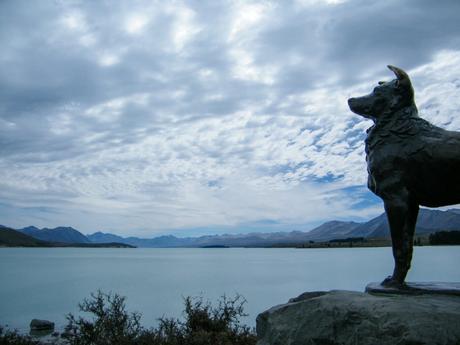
{"points": [[41, 325], [355, 318]]}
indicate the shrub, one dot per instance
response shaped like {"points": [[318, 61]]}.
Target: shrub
{"points": [[14, 338], [203, 324], [111, 324]]}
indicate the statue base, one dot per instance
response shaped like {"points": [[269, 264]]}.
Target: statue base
{"points": [[426, 288]]}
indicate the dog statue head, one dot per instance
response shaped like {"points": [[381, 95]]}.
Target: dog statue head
{"points": [[386, 99]]}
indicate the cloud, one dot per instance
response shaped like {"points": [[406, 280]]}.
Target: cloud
{"points": [[144, 117]]}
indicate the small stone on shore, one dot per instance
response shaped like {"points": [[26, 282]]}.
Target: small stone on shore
{"points": [[41, 325]]}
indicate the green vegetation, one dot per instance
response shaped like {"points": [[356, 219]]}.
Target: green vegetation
{"points": [[341, 243], [349, 240], [355, 242], [445, 237]]}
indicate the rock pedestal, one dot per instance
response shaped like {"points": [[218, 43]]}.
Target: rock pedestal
{"points": [[434, 288], [355, 318]]}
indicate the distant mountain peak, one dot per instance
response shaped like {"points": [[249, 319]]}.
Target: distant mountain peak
{"points": [[31, 227], [60, 228], [60, 234]]}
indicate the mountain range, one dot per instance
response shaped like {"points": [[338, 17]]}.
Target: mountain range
{"points": [[60, 234], [429, 221], [13, 238]]}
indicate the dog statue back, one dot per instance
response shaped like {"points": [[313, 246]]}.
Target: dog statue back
{"points": [[410, 162]]}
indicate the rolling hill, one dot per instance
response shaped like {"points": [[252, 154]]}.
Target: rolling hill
{"points": [[14, 238]]}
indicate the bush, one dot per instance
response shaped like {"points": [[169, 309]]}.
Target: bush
{"points": [[112, 324], [13, 338], [203, 324]]}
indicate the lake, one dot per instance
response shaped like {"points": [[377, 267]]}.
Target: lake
{"points": [[48, 283]]}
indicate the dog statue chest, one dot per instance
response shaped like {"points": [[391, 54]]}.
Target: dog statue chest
{"points": [[383, 151], [389, 158]]}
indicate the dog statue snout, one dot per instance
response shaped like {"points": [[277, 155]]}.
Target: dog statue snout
{"points": [[361, 106], [352, 103]]}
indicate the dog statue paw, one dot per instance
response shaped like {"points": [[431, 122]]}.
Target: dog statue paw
{"points": [[390, 282]]}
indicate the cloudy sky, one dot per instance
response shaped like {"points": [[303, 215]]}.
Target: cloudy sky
{"points": [[201, 117]]}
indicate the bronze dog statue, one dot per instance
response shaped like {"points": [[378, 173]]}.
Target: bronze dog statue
{"points": [[410, 163]]}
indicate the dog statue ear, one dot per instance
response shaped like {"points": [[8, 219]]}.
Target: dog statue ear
{"points": [[402, 76], [403, 81]]}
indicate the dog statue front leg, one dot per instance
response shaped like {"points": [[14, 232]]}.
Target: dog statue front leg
{"points": [[402, 218]]}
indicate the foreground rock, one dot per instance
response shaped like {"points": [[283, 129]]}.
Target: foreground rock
{"points": [[355, 318], [41, 325]]}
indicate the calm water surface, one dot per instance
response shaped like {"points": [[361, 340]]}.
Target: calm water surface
{"points": [[48, 283]]}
